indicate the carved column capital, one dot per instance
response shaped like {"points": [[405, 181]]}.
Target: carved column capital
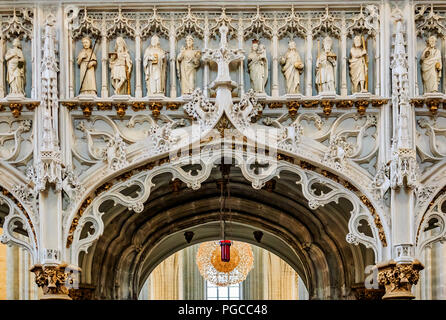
{"points": [[398, 279], [53, 279]]}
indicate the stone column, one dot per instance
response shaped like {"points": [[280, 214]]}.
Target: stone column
{"points": [[275, 65], [398, 279], [241, 67], [172, 58], [343, 59], [71, 79], [443, 71], [205, 63], [138, 86], [308, 64], [191, 275], [377, 65], [2, 67], [104, 79], [12, 273], [253, 286]]}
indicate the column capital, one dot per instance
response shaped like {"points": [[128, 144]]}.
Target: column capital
{"points": [[53, 279], [398, 279]]}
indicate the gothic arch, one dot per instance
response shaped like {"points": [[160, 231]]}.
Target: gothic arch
{"points": [[128, 244]]}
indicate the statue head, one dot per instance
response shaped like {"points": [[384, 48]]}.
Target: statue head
{"points": [[189, 42], [86, 42], [16, 43], [327, 43], [432, 41], [357, 41], [255, 45], [120, 44], [292, 44], [155, 41]]}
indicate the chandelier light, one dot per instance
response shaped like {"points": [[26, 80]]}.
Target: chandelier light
{"points": [[224, 273]]}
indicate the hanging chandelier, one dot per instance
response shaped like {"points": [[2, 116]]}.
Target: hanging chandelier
{"points": [[224, 262], [224, 273]]}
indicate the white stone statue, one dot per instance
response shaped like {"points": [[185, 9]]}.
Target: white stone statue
{"points": [[87, 63], [258, 67], [358, 65], [16, 69], [155, 62], [121, 67], [292, 67], [325, 68], [188, 61], [431, 66]]}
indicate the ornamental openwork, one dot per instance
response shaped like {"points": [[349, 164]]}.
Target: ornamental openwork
{"points": [[220, 273]]}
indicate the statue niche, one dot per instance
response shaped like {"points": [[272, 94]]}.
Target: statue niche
{"points": [[155, 63], [431, 66], [15, 62], [188, 61], [358, 65], [87, 63], [325, 68], [258, 67], [120, 67], [292, 67]]}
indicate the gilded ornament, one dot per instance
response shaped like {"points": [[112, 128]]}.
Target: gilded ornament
{"points": [[16, 109], [120, 109]]}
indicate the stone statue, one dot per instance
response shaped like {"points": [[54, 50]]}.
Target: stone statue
{"points": [[292, 67], [155, 67], [121, 67], [258, 67], [431, 66], [188, 61], [16, 68], [87, 63], [358, 65], [325, 67]]}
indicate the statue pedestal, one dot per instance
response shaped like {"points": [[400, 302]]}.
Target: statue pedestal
{"points": [[327, 95], [156, 96], [120, 97], [294, 96], [15, 97], [362, 95], [86, 97], [434, 95]]}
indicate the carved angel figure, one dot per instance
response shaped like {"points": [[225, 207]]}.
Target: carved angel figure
{"points": [[16, 68], [188, 61], [155, 67], [431, 66], [258, 67], [87, 62], [358, 66], [292, 67], [325, 67], [121, 67]]}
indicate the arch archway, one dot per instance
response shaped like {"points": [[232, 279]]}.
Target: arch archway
{"points": [[310, 234]]}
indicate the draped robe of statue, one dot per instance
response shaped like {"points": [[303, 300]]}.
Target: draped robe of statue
{"points": [[358, 68], [16, 71], [325, 72], [121, 68], [155, 69], [188, 60], [258, 70], [292, 67], [87, 71], [430, 60]]}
